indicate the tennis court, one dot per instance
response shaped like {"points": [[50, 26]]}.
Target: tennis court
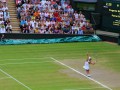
{"points": [[56, 66]]}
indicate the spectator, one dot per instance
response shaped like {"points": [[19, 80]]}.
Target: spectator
{"points": [[23, 24], [7, 21], [83, 28], [9, 28], [6, 15], [73, 29], [4, 8], [2, 28], [80, 32]]}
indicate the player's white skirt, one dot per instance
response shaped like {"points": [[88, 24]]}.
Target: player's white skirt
{"points": [[86, 67]]}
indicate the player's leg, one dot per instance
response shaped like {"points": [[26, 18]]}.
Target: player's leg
{"points": [[88, 72]]}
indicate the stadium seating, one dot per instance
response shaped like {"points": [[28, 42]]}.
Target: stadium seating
{"points": [[49, 17]]}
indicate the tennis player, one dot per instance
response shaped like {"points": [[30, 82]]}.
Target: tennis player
{"points": [[87, 65]]}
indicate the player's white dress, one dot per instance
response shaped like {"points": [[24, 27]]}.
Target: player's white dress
{"points": [[86, 65]]}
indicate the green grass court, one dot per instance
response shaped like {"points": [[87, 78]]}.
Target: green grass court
{"points": [[52, 66]]}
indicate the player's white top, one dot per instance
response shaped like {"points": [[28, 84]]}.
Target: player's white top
{"points": [[86, 65]]}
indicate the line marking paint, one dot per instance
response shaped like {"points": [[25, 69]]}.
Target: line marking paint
{"points": [[4, 78], [84, 88], [25, 63], [15, 79], [81, 73], [22, 59]]}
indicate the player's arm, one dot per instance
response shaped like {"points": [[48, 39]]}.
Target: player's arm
{"points": [[92, 63]]}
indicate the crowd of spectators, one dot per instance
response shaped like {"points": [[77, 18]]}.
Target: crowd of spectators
{"points": [[51, 17], [5, 26]]}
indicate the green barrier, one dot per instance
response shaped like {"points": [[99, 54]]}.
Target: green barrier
{"points": [[92, 38]]}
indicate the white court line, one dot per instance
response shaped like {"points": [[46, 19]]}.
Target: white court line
{"points": [[25, 63], [15, 79], [81, 73], [84, 88], [4, 78], [22, 59]]}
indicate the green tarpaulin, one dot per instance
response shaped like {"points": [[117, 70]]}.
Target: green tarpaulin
{"points": [[92, 38]]}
